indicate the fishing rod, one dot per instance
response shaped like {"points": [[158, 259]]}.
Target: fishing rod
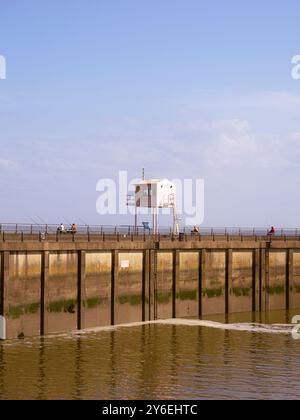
{"points": [[35, 223]]}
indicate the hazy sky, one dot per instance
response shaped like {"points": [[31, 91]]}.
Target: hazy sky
{"points": [[186, 88]]}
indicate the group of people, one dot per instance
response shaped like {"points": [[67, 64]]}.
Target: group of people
{"points": [[196, 231], [62, 228]]}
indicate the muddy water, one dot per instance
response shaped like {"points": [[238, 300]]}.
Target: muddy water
{"points": [[246, 356]]}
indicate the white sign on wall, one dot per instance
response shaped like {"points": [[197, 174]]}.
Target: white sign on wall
{"points": [[124, 264]]}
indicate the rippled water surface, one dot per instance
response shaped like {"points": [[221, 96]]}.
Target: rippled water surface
{"points": [[250, 358]]}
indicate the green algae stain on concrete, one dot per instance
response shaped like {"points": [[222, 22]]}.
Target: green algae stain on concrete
{"points": [[212, 293], [62, 306], [15, 312], [275, 290], [131, 299], [187, 295], [241, 291]]}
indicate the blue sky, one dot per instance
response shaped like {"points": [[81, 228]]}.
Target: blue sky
{"points": [[187, 89]]}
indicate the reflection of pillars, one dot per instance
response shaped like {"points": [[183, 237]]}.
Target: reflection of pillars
{"points": [[2, 371], [78, 369], [114, 280], [81, 273], [255, 280], [289, 277], [42, 376], [113, 366], [262, 281], [175, 279], [228, 278], [44, 288], [175, 367], [145, 286], [202, 273]]}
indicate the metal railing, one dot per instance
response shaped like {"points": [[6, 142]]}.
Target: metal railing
{"points": [[53, 229]]}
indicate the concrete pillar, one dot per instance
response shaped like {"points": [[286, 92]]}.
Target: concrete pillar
{"points": [[4, 277], [266, 280], [228, 278], [202, 278], [81, 273], [3, 282], [44, 294], [146, 286], [289, 277], [176, 273], [1, 285], [256, 280], [114, 280], [151, 292], [262, 277]]}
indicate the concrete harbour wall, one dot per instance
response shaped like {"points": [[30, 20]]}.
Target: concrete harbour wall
{"points": [[47, 288]]}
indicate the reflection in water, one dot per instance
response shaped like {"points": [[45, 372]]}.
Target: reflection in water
{"points": [[157, 361]]}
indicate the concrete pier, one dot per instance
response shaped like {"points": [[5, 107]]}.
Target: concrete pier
{"points": [[59, 286]]}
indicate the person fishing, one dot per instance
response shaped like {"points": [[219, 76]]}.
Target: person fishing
{"points": [[73, 228], [271, 231], [61, 228]]}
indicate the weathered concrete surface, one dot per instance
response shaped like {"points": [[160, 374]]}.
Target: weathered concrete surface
{"points": [[128, 288], [22, 294], [275, 287], [213, 288], [241, 283], [187, 288], [61, 293], [163, 285], [97, 290]]}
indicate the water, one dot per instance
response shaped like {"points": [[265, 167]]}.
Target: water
{"points": [[255, 357]]}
